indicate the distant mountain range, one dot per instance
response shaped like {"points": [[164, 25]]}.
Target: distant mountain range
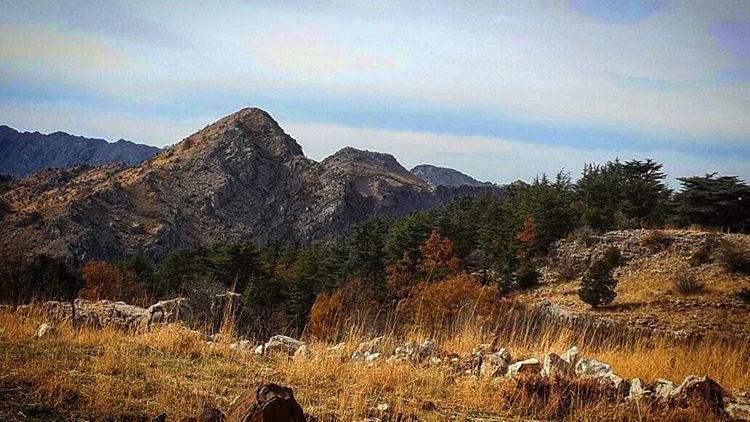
{"points": [[22, 153], [240, 177], [442, 176]]}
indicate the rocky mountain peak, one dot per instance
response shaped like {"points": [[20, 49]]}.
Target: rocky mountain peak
{"points": [[364, 163], [443, 176], [364, 157]]}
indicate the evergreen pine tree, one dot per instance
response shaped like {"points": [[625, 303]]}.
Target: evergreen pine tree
{"points": [[598, 284]]}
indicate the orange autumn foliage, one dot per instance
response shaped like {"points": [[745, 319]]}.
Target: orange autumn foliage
{"points": [[104, 281], [438, 257], [529, 233], [434, 306], [349, 304]]}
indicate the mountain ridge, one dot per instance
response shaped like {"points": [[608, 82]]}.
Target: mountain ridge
{"points": [[444, 176], [23, 153], [241, 176]]}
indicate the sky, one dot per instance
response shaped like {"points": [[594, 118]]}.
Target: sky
{"points": [[501, 90]]}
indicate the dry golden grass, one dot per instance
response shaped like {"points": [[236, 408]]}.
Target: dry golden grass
{"points": [[105, 373], [646, 289]]}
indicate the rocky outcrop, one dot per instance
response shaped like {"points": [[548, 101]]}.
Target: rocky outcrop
{"points": [[282, 344], [442, 176], [169, 311], [269, 403], [120, 315], [242, 176], [22, 153]]}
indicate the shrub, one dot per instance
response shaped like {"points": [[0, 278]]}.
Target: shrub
{"points": [[435, 305], [687, 283], [598, 284], [104, 281], [744, 294], [656, 240], [350, 304], [527, 277], [438, 257], [734, 257], [703, 254], [564, 267]]}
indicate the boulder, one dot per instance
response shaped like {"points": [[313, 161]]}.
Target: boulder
{"points": [[282, 344], [663, 389], [258, 349], [572, 356], [169, 311], [46, 330], [365, 357], [373, 346], [554, 365], [589, 367], [637, 390], [495, 364], [415, 352], [530, 366], [615, 383], [270, 403], [700, 392]]}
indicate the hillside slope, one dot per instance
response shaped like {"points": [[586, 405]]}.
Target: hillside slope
{"points": [[443, 176], [647, 296], [22, 153], [239, 177]]}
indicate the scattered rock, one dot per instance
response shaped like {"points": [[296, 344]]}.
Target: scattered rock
{"points": [[46, 330], [169, 311], [529, 366], [637, 390], [373, 346], [282, 344], [415, 352], [663, 389], [555, 365], [495, 364], [572, 356], [589, 367], [700, 392]]}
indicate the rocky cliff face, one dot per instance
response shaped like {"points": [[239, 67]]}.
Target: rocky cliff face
{"points": [[239, 177], [22, 153], [442, 176]]}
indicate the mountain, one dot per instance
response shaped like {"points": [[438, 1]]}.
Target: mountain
{"points": [[239, 177], [22, 153], [442, 176]]}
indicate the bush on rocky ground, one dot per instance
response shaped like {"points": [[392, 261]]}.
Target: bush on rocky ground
{"points": [[744, 294], [687, 282], [734, 257], [656, 240]]}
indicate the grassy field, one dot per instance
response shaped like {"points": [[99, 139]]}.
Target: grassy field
{"points": [[102, 374]]}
